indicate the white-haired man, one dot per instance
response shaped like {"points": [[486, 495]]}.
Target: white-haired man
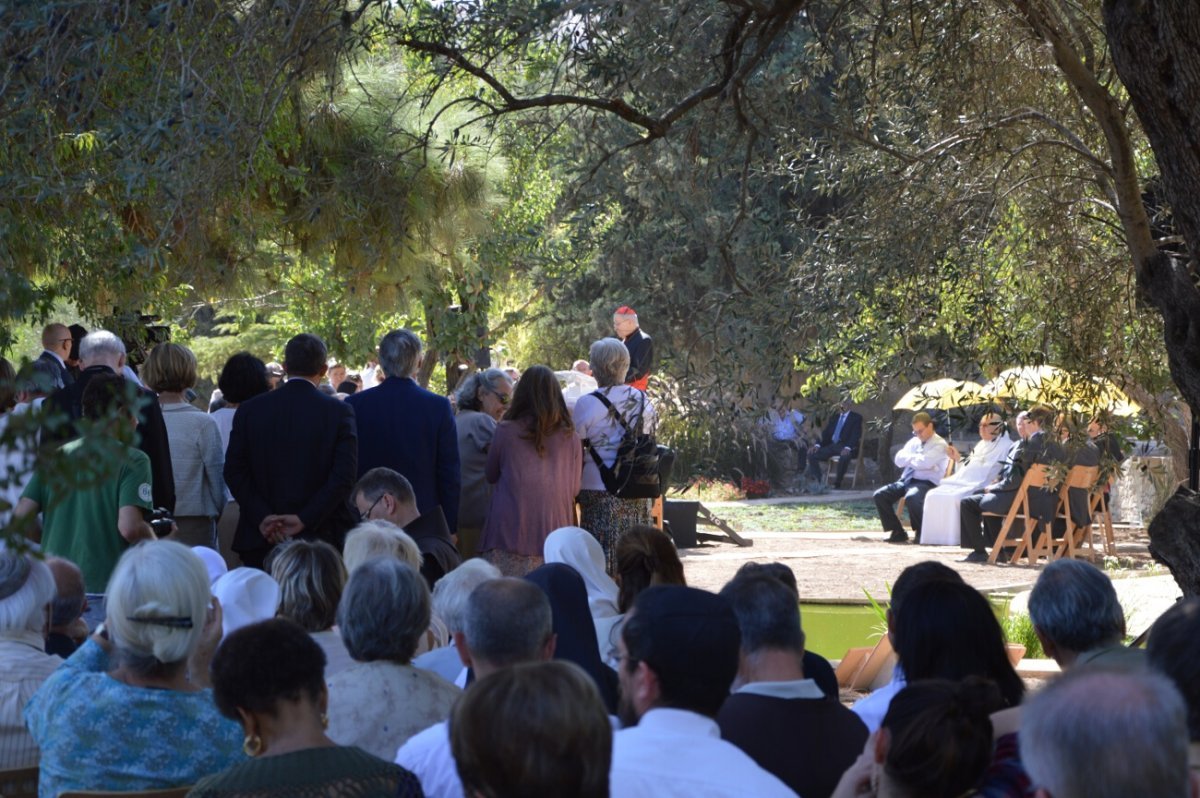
{"points": [[639, 344], [410, 430], [101, 352]]}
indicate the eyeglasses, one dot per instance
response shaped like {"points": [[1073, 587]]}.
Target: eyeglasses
{"points": [[367, 514], [502, 398]]}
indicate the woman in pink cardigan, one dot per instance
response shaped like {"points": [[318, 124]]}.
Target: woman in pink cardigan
{"points": [[535, 464]]}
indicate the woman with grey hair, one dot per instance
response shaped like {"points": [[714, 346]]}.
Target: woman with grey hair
{"points": [[150, 721], [382, 700], [481, 399], [601, 513]]}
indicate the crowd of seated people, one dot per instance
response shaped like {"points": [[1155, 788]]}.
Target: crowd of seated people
{"points": [[706, 694], [357, 653]]}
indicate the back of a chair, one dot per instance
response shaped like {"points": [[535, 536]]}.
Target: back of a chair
{"points": [[1038, 476], [1083, 477], [19, 782], [171, 792]]}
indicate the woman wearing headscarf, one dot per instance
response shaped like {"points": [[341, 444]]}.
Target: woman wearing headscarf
{"points": [[575, 546], [573, 626]]}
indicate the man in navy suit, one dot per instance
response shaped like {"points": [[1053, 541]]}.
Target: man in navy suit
{"points": [[842, 436], [1036, 448], [292, 459], [408, 429], [52, 362]]}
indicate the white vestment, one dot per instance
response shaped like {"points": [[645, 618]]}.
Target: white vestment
{"points": [[940, 525]]}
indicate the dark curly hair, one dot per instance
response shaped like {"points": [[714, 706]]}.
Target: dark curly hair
{"points": [[265, 663], [941, 736], [243, 377]]}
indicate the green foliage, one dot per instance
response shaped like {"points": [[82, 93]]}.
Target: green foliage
{"points": [[1018, 628]]}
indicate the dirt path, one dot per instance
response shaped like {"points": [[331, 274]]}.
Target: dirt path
{"points": [[832, 566]]}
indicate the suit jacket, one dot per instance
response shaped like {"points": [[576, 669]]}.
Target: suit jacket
{"points": [[1081, 454], [408, 429], [151, 432], [55, 372], [1038, 449], [851, 431], [293, 450], [641, 356], [439, 556]]}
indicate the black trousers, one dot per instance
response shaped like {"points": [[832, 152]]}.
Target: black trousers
{"points": [[913, 491], [977, 532], [824, 453]]}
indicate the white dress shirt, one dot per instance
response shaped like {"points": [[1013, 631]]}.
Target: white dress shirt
{"points": [[24, 665], [983, 464], [873, 707], [429, 758], [925, 461], [672, 752]]}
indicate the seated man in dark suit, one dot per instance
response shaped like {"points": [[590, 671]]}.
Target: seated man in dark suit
{"points": [[777, 714], [408, 429], [384, 494], [101, 352], [1078, 451], [1107, 442], [292, 459], [841, 437], [1036, 448]]}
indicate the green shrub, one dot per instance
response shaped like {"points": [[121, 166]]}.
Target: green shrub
{"points": [[1018, 628]]}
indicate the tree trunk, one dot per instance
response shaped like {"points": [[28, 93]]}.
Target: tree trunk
{"points": [[1154, 47], [1175, 539]]}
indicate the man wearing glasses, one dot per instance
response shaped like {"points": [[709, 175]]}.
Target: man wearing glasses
{"points": [[51, 364], [382, 494], [979, 469]]}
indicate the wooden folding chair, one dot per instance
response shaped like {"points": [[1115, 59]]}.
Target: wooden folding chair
{"points": [[851, 473], [1035, 478], [1098, 505], [19, 782], [1078, 477]]}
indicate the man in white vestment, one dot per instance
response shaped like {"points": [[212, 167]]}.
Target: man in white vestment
{"points": [[979, 469]]}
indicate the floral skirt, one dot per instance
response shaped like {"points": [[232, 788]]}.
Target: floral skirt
{"points": [[607, 518], [510, 563]]}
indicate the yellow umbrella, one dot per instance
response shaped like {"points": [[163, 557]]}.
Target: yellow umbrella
{"points": [[1058, 388], [944, 394]]}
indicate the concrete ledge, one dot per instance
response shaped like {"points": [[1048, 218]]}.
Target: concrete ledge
{"points": [[1037, 669]]}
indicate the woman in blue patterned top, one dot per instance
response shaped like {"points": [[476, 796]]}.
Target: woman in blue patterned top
{"points": [[131, 709]]}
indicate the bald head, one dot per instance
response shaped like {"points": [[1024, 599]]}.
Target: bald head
{"points": [[56, 338], [68, 600]]}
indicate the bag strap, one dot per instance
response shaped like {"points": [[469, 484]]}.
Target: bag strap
{"points": [[612, 411]]}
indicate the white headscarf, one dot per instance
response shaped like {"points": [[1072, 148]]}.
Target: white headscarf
{"points": [[579, 549]]}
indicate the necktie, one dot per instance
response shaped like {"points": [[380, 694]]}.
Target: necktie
{"points": [[837, 431]]}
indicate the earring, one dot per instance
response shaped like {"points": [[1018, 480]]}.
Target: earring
{"points": [[324, 721], [252, 746]]}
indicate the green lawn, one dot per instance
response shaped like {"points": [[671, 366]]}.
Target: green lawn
{"points": [[803, 517]]}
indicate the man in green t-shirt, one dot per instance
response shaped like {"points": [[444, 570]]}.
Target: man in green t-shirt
{"points": [[92, 523]]}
